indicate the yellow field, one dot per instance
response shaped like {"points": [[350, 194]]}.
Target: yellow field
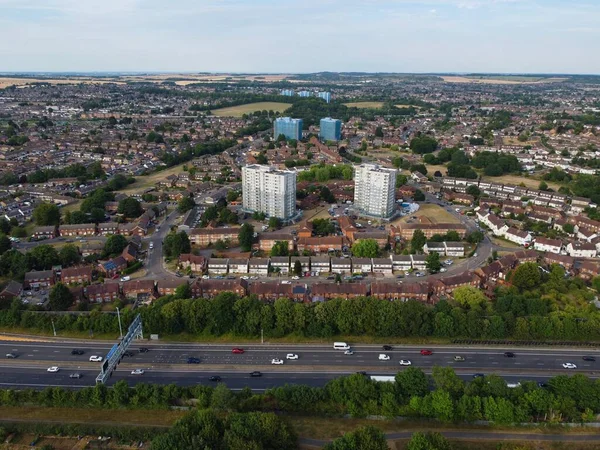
{"points": [[531, 183], [501, 80], [431, 169], [147, 181], [239, 111], [4, 82], [364, 104], [510, 140], [435, 213]]}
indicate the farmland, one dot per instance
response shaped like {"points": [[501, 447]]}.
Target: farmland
{"points": [[240, 110]]}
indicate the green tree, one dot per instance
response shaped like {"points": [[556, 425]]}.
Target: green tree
{"points": [[475, 237], [474, 191], [232, 196], [246, 237], [60, 297], [569, 228], [97, 215], [423, 144], [365, 248], [527, 276], [543, 186], [364, 438], [69, 255], [46, 214], [42, 257], [419, 196], [428, 441], [5, 244], [445, 379], [280, 248], [175, 244], [297, 268], [185, 204], [130, 208], [412, 382], [469, 297], [433, 262], [275, 223], [114, 245], [222, 398], [418, 241], [183, 291]]}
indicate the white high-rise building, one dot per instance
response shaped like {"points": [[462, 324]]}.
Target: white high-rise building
{"points": [[374, 190], [269, 190]]}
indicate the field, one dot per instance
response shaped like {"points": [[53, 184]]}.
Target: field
{"points": [[502, 79], [435, 213], [431, 169], [364, 104], [148, 181], [509, 140], [531, 183], [239, 111], [4, 82]]}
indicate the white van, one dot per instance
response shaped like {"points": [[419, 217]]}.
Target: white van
{"points": [[340, 346], [513, 385]]}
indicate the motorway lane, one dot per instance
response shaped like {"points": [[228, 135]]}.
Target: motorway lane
{"points": [[311, 357]]}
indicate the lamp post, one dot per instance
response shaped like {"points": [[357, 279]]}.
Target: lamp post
{"points": [[120, 328]]}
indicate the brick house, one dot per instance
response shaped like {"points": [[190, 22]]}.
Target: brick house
{"points": [[134, 288], [328, 291], [563, 260], [76, 275], [445, 286], [211, 288], [105, 229], [83, 229], [268, 240], [406, 230], [401, 292], [130, 253], [208, 236], [100, 293], [321, 244], [13, 289], [196, 263], [39, 279], [270, 291], [238, 265], [113, 266], [44, 233], [168, 287]]}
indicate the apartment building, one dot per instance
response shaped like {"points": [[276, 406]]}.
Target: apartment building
{"points": [[330, 129], [374, 190], [208, 236], [290, 128], [73, 275], [268, 190]]}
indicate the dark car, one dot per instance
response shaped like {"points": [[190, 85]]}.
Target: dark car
{"points": [[509, 355], [128, 353], [387, 347], [215, 378], [237, 350], [143, 350], [76, 352], [192, 360], [589, 358], [478, 375], [256, 373]]}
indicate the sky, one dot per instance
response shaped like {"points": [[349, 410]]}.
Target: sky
{"points": [[298, 36]]}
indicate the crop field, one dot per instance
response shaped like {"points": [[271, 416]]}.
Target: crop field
{"points": [[364, 104], [240, 110], [502, 79]]}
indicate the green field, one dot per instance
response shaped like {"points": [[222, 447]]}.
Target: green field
{"points": [[240, 110], [364, 104]]}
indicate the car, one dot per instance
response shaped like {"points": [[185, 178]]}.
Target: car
{"points": [[143, 350], [348, 352], [77, 352], [95, 358], [291, 356], [126, 278], [459, 358], [331, 277], [589, 358], [11, 355], [215, 378], [443, 269], [475, 254], [478, 375], [75, 375], [256, 373], [384, 357], [509, 355], [419, 274], [237, 350], [206, 277], [295, 277], [405, 362], [128, 353], [387, 347], [277, 361], [137, 372], [426, 352], [179, 274], [52, 369], [286, 282], [192, 360], [569, 365]]}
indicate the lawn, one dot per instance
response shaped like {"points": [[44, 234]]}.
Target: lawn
{"points": [[517, 180], [431, 169], [435, 213], [148, 181], [364, 104], [240, 110]]}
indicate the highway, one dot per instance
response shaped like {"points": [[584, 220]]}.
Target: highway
{"points": [[317, 364]]}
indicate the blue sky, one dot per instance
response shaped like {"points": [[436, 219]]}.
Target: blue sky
{"points": [[509, 36]]}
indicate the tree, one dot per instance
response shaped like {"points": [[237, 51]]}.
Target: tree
{"points": [[543, 186], [474, 191], [280, 248], [475, 237], [379, 132], [175, 244], [297, 268], [428, 441], [185, 204], [42, 257], [418, 241], [419, 196], [130, 208], [183, 291], [526, 276], [114, 245], [469, 297], [412, 382], [364, 438], [365, 248], [69, 255], [423, 144], [60, 297], [569, 228], [222, 398], [433, 262], [97, 215], [5, 244], [46, 214], [275, 223], [246, 237]]}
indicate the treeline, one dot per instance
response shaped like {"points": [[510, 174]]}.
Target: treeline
{"points": [[207, 148], [531, 315], [324, 172], [79, 171]]}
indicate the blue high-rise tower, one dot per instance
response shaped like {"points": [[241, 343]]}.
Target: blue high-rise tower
{"points": [[331, 129], [290, 128]]}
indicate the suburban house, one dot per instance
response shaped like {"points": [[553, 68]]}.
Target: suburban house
{"points": [[401, 263], [270, 291], [360, 265], [328, 291], [581, 250], [44, 233], [445, 286], [343, 265], [196, 263], [282, 263], [268, 240], [113, 266], [543, 244], [321, 264], [406, 230], [562, 260], [419, 262], [13, 289], [381, 237], [100, 293], [258, 266], [211, 288], [237, 265], [321, 244], [402, 292], [139, 288], [382, 265], [105, 229], [39, 279], [218, 266], [518, 236], [74, 275], [208, 236], [82, 229], [168, 287], [304, 263], [130, 253]]}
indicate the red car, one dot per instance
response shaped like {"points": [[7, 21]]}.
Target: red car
{"points": [[426, 352], [237, 350]]}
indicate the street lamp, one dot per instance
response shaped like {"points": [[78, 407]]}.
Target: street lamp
{"points": [[120, 328]]}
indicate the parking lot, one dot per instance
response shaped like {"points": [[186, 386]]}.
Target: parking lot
{"points": [[35, 298]]}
